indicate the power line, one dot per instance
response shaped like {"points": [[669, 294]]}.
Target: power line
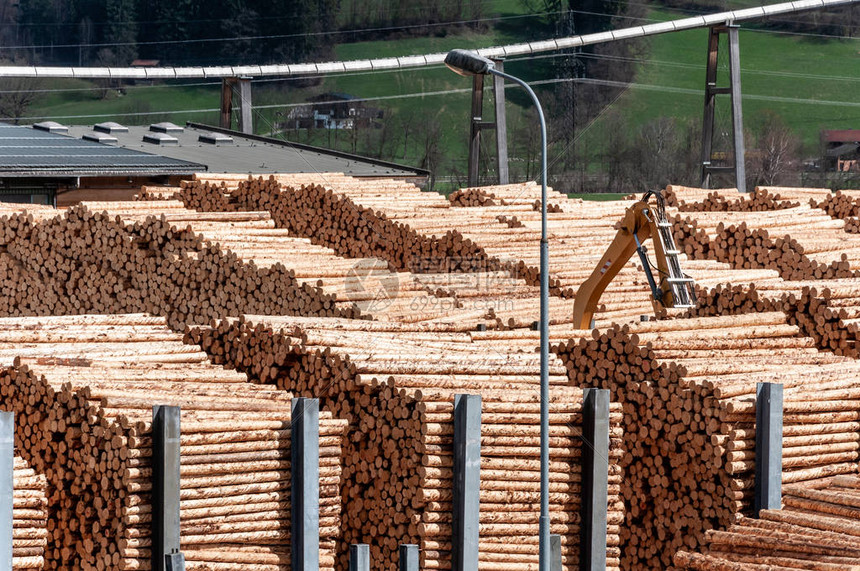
{"points": [[605, 82]]}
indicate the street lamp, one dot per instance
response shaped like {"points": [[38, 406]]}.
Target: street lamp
{"points": [[468, 63]]}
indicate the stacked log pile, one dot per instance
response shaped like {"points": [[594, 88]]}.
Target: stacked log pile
{"points": [[507, 300], [85, 262], [816, 529], [82, 389], [29, 517], [577, 226], [801, 243], [362, 286], [522, 194], [844, 204], [334, 216], [395, 383], [687, 199], [688, 391]]}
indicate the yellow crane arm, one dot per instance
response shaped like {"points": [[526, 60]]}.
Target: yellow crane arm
{"points": [[640, 222]]}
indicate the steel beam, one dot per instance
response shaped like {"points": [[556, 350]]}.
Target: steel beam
{"points": [[475, 129], [734, 92], [768, 447], [595, 478], [305, 494], [7, 479], [359, 557], [467, 482], [710, 105], [165, 487], [408, 557], [501, 123], [737, 108]]}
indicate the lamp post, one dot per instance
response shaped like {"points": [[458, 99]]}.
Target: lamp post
{"points": [[468, 63]]}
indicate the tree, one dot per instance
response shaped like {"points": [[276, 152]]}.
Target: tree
{"points": [[16, 96], [777, 155]]}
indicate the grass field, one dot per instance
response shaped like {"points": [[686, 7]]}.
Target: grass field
{"points": [[827, 72]]}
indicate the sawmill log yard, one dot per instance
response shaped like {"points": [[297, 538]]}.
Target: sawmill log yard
{"points": [[228, 296]]}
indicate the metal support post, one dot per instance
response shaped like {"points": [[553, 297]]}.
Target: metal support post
{"points": [[246, 118], [226, 121], [554, 552], [359, 557], [737, 110], [595, 478], [165, 489], [467, 482], [501, 123], [768, 447], [7, 479], [734, 91], [305, 495], [408, 557], [475, 128]]}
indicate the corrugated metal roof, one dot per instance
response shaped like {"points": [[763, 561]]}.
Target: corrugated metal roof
{"points": [[25, 151], [254, 154], [840, 135]]}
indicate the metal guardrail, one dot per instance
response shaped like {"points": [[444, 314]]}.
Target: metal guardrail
{"points": [[413, 61]]}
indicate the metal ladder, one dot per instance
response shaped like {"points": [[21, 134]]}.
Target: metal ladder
{"points": [[682, 285]]}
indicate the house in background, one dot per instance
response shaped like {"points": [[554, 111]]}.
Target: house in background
{"points": [[334, 111], [840, 150]]}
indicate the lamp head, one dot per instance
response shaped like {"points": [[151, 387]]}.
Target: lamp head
{"points": [[468, 63]]}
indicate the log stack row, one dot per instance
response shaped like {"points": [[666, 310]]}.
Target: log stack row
{"points": [[687, 199], [81, 261], [522, 194], [801, 243], [358, 286], [395, 384], [332, 216], [82, 389], [586, 228], [30, 517], [844, 204], [816, 529], [688, 392]]}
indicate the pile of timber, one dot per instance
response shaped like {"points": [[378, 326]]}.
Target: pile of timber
{"points": [[829, 312], [330, 215], [522, 194], [358, 286], [86, 261], [816, 529], [158, 193], [395, 383], [801, 243], [29, 517], [788, 232], [507, 300], [82, 389], [688, 391], [687, 199], [845, 204], [586, 228]]}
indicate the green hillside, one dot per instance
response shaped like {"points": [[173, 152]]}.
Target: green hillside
{"points": [[670, 81]]}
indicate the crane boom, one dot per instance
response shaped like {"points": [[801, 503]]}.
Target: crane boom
{"points": [[640, 222]]}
